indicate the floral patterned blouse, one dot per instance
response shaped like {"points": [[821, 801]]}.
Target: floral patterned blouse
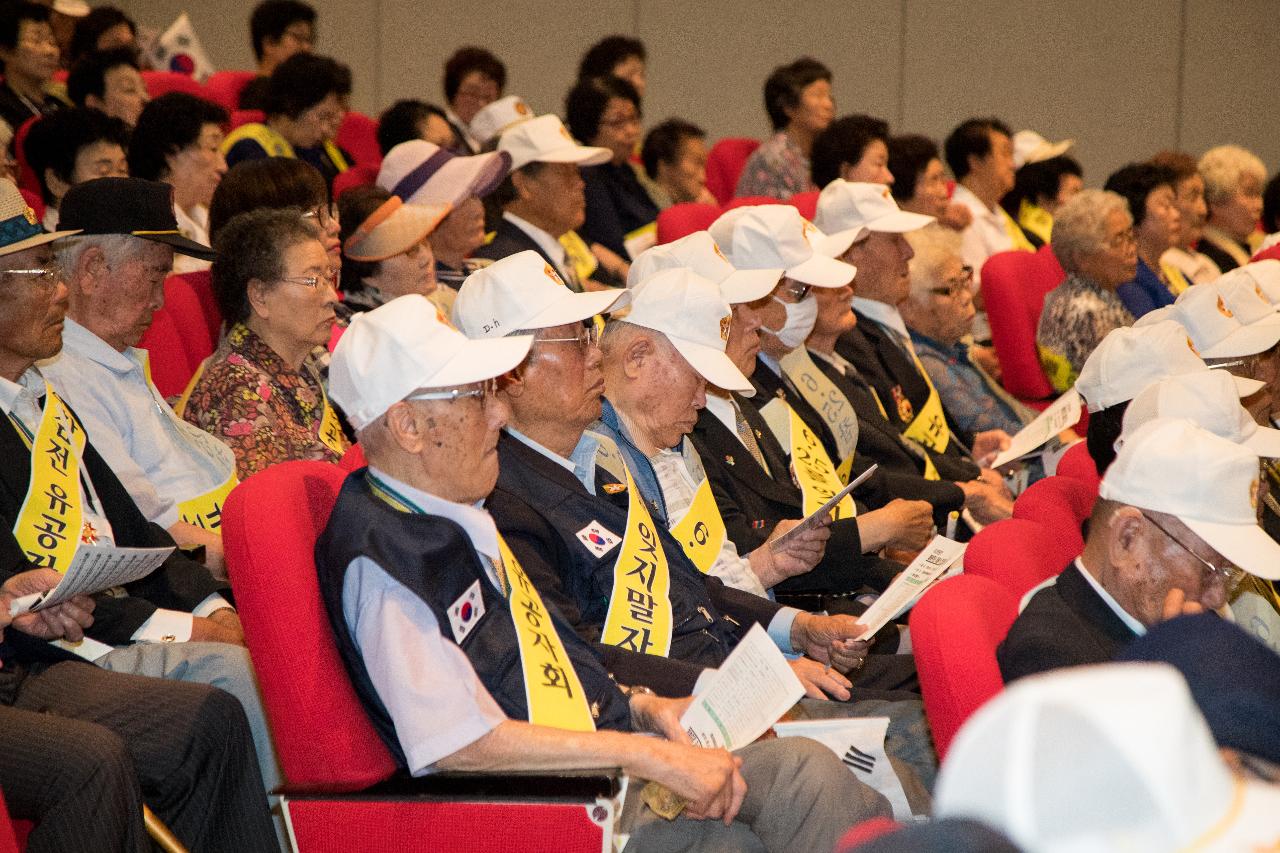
{"points": [[778, 169], [1077, 315], [264, 410]]}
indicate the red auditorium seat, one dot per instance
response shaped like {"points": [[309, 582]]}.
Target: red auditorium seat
{"points": [[171, 367], [1061, 504], [955, 629], [8, 844], [163, 82], [681, 220], [358, 136], [1018, 554], [1013, 289], [224, 87], [328, 749], [353, 459], [1077, 463], [724, 165], [239, 117], [806, 203], [27, 179], [867, 831], [359, 175], [751, 201], [201, 284]]}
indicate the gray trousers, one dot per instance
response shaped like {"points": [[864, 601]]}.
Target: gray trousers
{"points": [[799, 797]]}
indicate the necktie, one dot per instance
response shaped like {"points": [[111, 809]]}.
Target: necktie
{"points": [[748, 437], [499, 570]]}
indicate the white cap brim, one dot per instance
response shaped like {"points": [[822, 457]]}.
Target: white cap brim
{"points": [[713, 365], [1265, 442], [902, 222], [1249, 340], [749, 285], [822, 271], [837, 243], [576, 307], [479, 360], [1245, 545], [582, 155], [1245, 386]]}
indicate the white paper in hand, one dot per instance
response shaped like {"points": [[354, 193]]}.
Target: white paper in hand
{"points": [[94, 569], [859, 744], [935, 559], [1062, 413], [748, 693]]}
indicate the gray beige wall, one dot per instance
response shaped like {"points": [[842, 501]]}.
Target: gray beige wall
{"points": [[1123, 77]]}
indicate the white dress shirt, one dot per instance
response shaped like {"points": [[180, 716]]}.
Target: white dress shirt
{"points": [[886, 315], [985, 236]]}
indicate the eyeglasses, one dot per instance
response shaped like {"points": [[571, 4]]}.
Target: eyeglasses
{"points": [[313, 281], [48, 275], [956, 287], [1124, 238], [796, 291], [325, 214], [621, 121], [486, 390], [1230, 575], [587, 338]]}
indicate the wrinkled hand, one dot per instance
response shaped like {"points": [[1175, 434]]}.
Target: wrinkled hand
{"points": [[820, 680], [957, 217], [900, 523], [797, 556], [708, 778], [221, 626], [65, 621], [987, 360], [989, 443], [660, 715], [988, 503], [995, 479], [1176, 604], [830, 639]]}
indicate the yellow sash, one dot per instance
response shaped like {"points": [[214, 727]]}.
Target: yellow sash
{"points": [[1061, 375], [810, 464], [331, 434], [828, 401], [1020, 241], [639, 615], [205, 511], [701, 533], [1035, 219], [579, 255], [181, 405], [930, 470], [1177, 281], [273, 143], [52, 516], [553, 691], [335, 156], [930, 424]]}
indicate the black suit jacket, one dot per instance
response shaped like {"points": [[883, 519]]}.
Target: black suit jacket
{"points": [[752, 503], [531, 504], [1067, 624], [885, 367], [508, 240], [180, 583]]}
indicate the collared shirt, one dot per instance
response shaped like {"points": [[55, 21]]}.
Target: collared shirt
{"points": [[194, 225], [434, 697], [21, 401], [1133, 624], [968, 396], [777, 169], [1198, 267], [549, 245], [463, 129], [1076, 316], [986, 234], [160, 459], [885, 314]]}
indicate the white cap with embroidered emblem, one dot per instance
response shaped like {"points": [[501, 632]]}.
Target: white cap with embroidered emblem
{"points": [[1244, 296], [494, 119], [1217, 333], [545, 139], [863, 208], [1266, 274], [1209, 399], [769, 236], [698, 252]]}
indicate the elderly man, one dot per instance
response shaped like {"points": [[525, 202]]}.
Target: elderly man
{"points": [[542, 198], [422, 399], [879, 346], [178, 475], [1174, 530]]}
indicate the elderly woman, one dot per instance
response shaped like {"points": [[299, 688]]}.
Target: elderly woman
{"points": [[938, 314], [1040, 187], [177, 140], [385, 252], [919, 182], [1094, 240], [605, 112], [1188, 195], [260, 392], [277, 183], [1233, 179], [1157, 225], [798, 100]]}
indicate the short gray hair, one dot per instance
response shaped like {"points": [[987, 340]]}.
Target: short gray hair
{"points": [[1224, 167], [1080, 225], [933, 246], [118, 248]]}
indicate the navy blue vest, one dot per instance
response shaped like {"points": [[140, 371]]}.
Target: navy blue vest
{"points": [[435, 559]]}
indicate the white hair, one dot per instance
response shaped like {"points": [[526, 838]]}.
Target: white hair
{"points": [[1080, 225], [1224, 167], [933, 246], [118, 248]]}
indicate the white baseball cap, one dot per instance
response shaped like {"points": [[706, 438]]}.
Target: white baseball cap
{"points": [[1131, 358], [698, 252], [1114, 757], [1031, 147], [1170, 465], [853, 205], [388, 353], [1245, 297], [523, 291], [1202, 310], [545, 139], [491, 120], [1207, 398], [1266, 274], [422, 172], [772, 236], [695, 317]]}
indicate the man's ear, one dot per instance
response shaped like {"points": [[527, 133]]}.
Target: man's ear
{"points": [[640, 348], [520, 181], [404, 428], [1124, 536], [89, 271]]}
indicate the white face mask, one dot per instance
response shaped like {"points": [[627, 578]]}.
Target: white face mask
{"points": [[801, 317]]}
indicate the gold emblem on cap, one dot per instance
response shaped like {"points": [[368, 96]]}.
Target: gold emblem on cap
{"points": [[565, 133], [1254, 487], [719, 254], [806, 228], [1261, 295], [552, 274], [29, 215], [885, 194], [725, 323], [1191, 346], [1223, 309], [522, 109]]}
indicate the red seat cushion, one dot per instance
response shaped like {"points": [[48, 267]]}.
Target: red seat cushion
{"points": [[358, 136], [1013, 289], [1077, 463], [1061, 504], [239, 117], [353, 459], [163, 82], [183, 304], [724, 165], [955, 628], [224, 87], [681, 220], [201, 284], [1019, 554]]}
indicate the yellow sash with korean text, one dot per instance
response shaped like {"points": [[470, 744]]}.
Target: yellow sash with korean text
{"points": [[639, 616], [810, 464], [205, 511], [52, 515], [553, 691], [930, 470], [827, 400], [701, 533], [331, 434], [930, 424]]}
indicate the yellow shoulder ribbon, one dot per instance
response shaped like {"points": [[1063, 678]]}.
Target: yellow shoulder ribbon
{"points": [[273, 143], [930, 424], [827, 400], [1020, 241], [701, 533], [810, 464], [52, 514]]}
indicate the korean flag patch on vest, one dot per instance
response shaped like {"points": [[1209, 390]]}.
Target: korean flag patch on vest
{"points": [[597, 539], [465, 613]]}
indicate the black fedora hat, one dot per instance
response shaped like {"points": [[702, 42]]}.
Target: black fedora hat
{"points": [[128, 206]]}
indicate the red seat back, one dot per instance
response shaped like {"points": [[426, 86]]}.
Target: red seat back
{"points": [[353, 459], [359, 175], [1078, 464], [681, 220], [27, 178], [806, 203], [1061, 504], [239, 117], [1013, 289], [724, 165], [324, 739], [224, 87], [201, 284], [1268, 254], [955, 628], [751, 201], [358, 136], [34, 201], [7, 842], [171, 365], [183, 305], [1019, 554], [163, 82]]}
